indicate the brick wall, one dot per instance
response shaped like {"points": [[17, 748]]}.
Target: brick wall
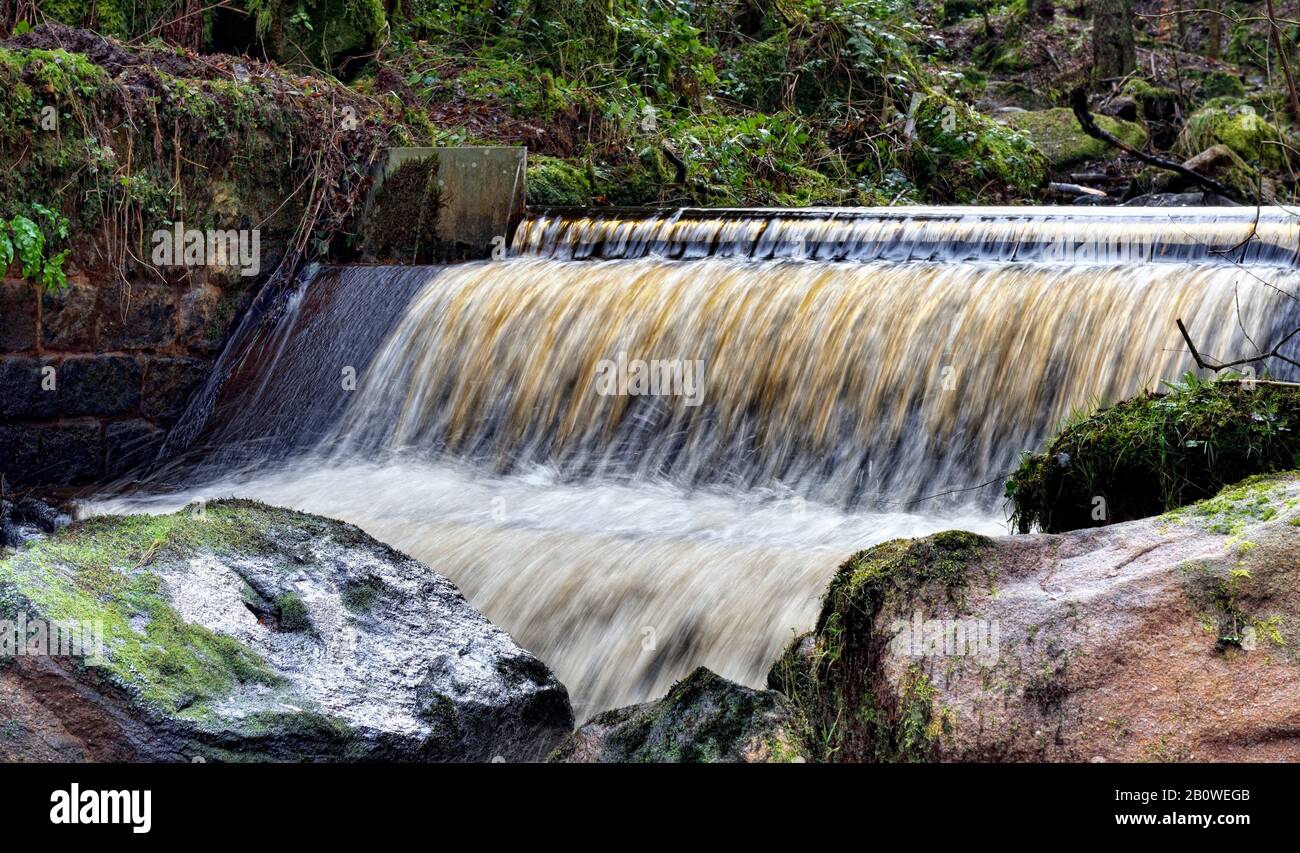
{"points": [[92, 377]]}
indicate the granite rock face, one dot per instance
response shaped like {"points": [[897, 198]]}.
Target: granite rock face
{"points": [[237, 631]]}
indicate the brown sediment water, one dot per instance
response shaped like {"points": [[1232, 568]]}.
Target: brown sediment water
{"points": [[643, 442]]}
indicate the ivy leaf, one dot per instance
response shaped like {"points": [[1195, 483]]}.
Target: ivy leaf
{"points": [[30, 243]]}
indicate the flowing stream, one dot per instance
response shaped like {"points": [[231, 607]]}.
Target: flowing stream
{"points": [[644, 441]]}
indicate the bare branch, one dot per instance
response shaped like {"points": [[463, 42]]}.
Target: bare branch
{"points": [[1079, 103]]}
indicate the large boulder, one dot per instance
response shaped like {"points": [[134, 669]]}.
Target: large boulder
{"points": [[1170, 638], [1252, 137], [1057, 134], [704, 718], [237, 631]]}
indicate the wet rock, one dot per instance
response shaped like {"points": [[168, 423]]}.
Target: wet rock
{"points": [[22, 396], [1166, 639], [68, 317], [17, 316], [704, 718], [168, 384], [50, 454], [143, 315], [98, 385], [205, 315], [1123, 107], [1180, 200], [129, 445], [237, 631], [25, 519]]}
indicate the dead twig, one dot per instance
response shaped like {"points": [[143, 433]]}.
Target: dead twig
{"points": [[1215, 365]]}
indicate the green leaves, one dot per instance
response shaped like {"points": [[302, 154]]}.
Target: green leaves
{"points": [[22, 239]]}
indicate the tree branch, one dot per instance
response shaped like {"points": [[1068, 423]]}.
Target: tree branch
{"points": [[1079, 103], [1206, 364]]}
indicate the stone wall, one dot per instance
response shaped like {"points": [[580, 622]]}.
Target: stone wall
{"points": [[92, 377]]}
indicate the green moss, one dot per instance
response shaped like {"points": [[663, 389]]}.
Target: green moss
{"points": [[703, 719], [971, 155], [553, 182], [214, 135], [1057, 134], [359, 596], [1250, 135], [108, 570], [291, 613], [1232, 510], [1156, 452], [1220, 84], [834, 676], [96, 572]]}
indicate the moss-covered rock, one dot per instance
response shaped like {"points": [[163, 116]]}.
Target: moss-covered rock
{"points": [[1156, 452], [237, 631], [971, 156], [833, 675], [1086, 646], [1220, 84], [124, 141], [1057, 134], [704, 719], [1241, 128]]}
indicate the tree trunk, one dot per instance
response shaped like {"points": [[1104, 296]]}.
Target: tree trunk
{"points": [[1214, 28], [1113, 51]]}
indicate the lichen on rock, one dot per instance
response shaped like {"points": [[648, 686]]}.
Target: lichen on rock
{"points": [[237, 631]]}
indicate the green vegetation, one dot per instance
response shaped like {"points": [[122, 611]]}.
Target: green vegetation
{"points": [[703, 719], [835, 676], [1157, 452], [1057, 134], [29, 243], [147, 138], [358, 596], [1241, 128], [773, 103], [762, 102], [291, 611]]}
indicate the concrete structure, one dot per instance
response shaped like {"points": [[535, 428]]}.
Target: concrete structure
{"points": [[437, 204]]}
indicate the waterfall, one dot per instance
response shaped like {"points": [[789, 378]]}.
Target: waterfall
{"points": [[642, 442]]}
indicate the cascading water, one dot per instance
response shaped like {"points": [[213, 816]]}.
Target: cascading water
{"points": [[827, 379]]}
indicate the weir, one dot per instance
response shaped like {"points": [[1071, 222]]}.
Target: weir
{"points": [[865, 375]]}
